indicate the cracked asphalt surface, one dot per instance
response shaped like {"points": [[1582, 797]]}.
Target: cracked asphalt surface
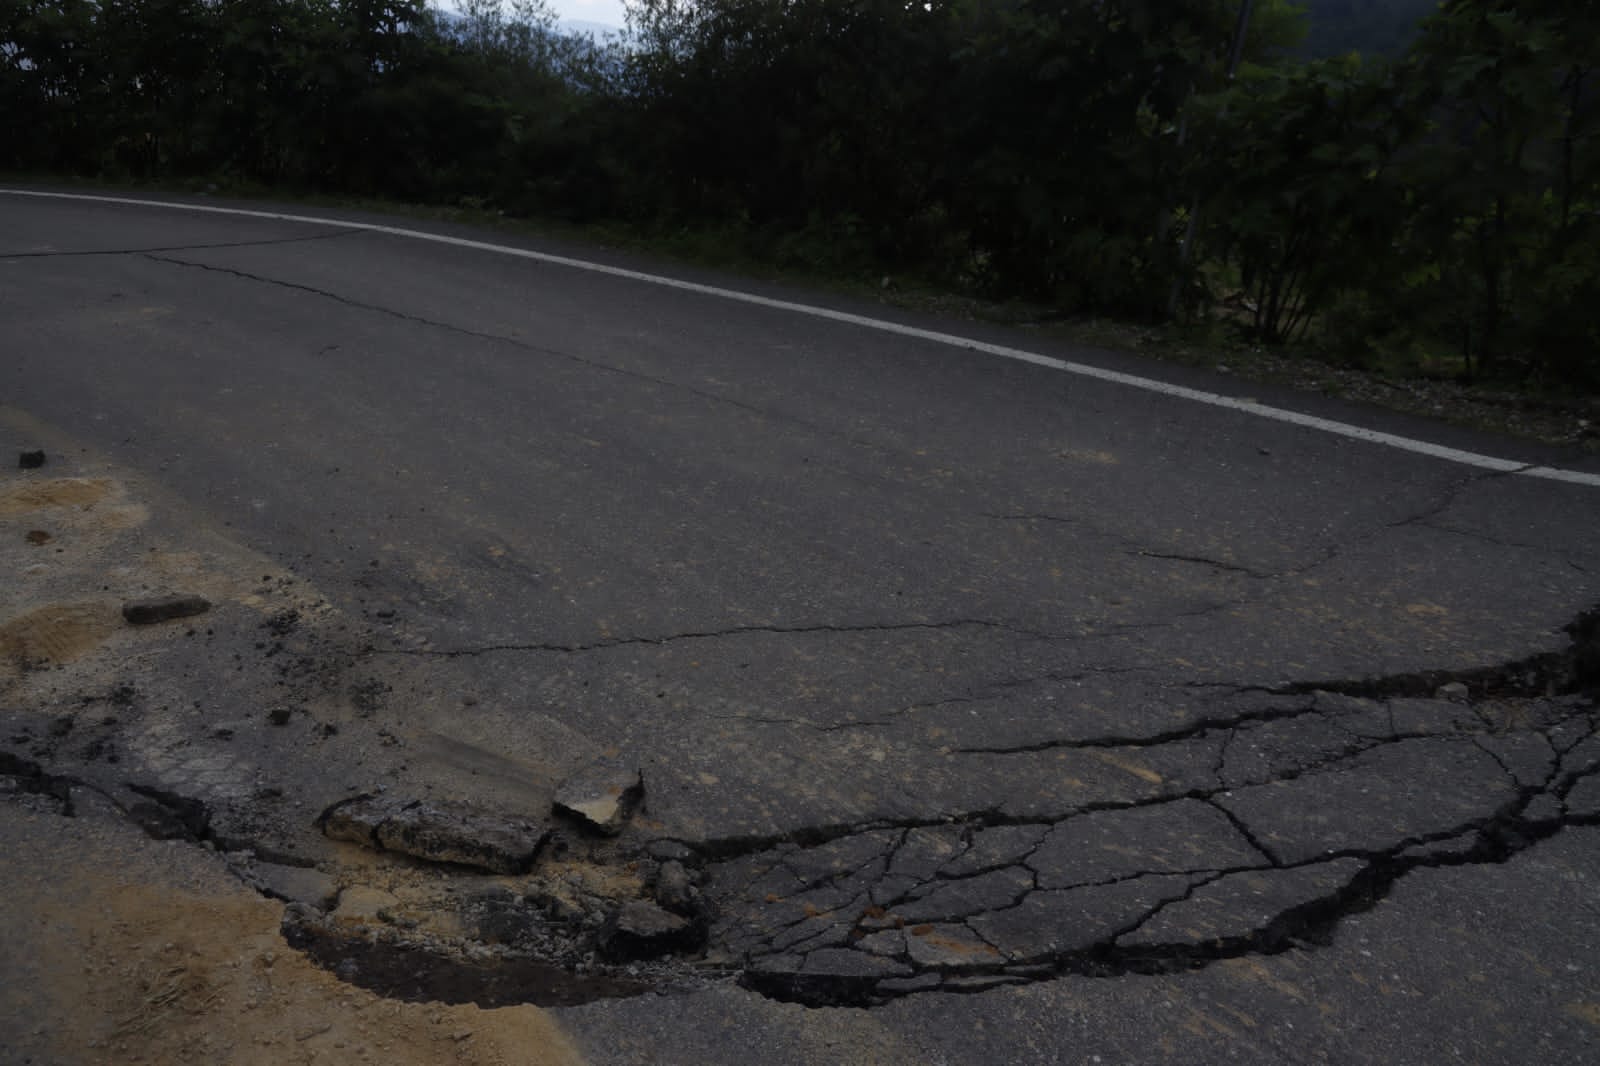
{"points": [[1002, 715]]}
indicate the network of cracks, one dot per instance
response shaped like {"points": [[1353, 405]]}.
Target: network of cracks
{"points": [[1274, 818]]}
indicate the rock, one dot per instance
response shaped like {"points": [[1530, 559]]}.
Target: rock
{"points": [[1455, 691], [603, 796], [294, 884], [674, 891], [279, 715], [642, 930], [38, 537], [438, 832], [31, 460], [163, 609]]}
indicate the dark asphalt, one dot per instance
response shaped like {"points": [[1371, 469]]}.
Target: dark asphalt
{"points": [[1026, 660]]}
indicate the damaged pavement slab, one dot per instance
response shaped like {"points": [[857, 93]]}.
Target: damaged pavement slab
{"points": [[1443, 968], [437, 831], [1002, 716]]}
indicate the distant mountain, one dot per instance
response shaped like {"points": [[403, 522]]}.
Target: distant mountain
{"points": [[598, 30], [1371, 27]]}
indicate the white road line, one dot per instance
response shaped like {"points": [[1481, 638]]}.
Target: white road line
{"points": [[1277, 414]]}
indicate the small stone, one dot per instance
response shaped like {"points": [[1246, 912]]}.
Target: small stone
{"points": [[642, 930], [31, 460], [38, 537], [1455, 691], [279, 715], [603, 796], [674, 891], [163, 609]]}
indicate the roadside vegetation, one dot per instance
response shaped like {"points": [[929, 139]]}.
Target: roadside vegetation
{"points": [[1431, 215]]}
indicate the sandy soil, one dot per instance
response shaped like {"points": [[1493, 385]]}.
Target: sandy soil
{"points": [[122, 949]]}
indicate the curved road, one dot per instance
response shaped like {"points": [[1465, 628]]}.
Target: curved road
{"points": [[1112, 705]]}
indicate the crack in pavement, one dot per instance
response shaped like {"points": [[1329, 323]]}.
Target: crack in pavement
{"points": [[1500, 542], [1201, 560], [1198, 728], [1107, 887], [1450, 496], [721, 634], [1342, 882], [150, 252], [1446, 499], [516, 342]]}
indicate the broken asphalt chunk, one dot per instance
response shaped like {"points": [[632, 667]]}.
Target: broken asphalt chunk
{"points": [[603, 796], [163, 609], [460, 835], [642, 930], [294, 884], [437, 831]]}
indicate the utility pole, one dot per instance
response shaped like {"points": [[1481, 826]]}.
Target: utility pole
{"points": [[1240, 30]]}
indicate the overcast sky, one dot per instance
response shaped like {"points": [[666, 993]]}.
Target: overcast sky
{"points": [[609, 11]]}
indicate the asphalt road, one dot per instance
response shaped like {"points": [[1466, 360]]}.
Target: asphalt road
{"points": [[1031, 716]]}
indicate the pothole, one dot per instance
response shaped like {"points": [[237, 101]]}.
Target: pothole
{"points": [[419, 972]]}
